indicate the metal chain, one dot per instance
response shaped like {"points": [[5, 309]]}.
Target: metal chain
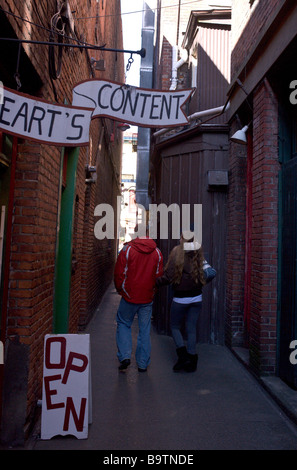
{"points": [[130, 62], [17, 75]]}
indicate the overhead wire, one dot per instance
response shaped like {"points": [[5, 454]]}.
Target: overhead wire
{"points": [[43, 27], [57, 28], [136, 11], [54, 30]]}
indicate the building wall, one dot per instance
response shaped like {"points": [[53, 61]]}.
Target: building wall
{"points": [[181, 160], [211, 48], [252, 282], [37, 199], [263, 324], [235, 258], [181, 177], [172, 23], [249, 21]]}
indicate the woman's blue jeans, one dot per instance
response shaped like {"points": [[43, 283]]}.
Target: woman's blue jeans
{"points": [[189, 312], [125, 316]]}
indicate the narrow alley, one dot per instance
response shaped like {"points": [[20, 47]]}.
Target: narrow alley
{"points": [[206, 138], [219, 407]]}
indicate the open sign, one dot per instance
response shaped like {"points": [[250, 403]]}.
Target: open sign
{"points": [[66, 403]]}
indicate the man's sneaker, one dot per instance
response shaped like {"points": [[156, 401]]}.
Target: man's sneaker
{"points": [[141, 370], [124, 364]]}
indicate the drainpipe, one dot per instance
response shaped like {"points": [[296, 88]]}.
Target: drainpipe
{"points": [[176, 64], [146, 81], [206, 112]]}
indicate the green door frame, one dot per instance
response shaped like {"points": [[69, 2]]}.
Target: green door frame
{"points": [[286, 319], [64, 244], [284, 152]]}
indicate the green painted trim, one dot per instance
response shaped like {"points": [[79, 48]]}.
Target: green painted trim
{"points": [[279, 267], [64, 249], [283, 151]]}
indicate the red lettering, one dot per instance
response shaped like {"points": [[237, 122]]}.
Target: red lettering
{"points": [[49, 393], [48, 363], [70, 366], [79, 421]]}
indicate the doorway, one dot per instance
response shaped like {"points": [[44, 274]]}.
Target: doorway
{"points": [[287, 321]]}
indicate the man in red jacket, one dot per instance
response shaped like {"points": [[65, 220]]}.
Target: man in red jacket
{"points": [[138, 266]]}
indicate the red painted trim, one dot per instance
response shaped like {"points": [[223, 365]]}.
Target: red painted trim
{"points": [[248, 233]]}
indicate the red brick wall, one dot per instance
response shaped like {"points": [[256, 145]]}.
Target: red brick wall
{"points": [[173, 25], [98, 256], [260, 336], [264, 230], [236, 242], [247, 27], [34, 237]]}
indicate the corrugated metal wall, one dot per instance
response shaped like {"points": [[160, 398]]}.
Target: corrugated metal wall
{"points": [[182, 178], [213, 70]]}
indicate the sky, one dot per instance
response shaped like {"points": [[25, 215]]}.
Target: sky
{"points": [[132, 23]]}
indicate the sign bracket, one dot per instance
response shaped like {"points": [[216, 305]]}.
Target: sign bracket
{"points": [[141, 52]]}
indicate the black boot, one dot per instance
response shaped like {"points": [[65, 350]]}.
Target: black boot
{"points": [[191, 364], [124, 364], [182, 359]]}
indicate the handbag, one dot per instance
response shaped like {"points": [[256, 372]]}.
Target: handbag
{"points": [[209, 272]]}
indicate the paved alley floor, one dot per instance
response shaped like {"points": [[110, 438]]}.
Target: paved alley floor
{"points": [[219, 407]]}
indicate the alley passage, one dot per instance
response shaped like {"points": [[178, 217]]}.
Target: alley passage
{"points": [[218, 407]]}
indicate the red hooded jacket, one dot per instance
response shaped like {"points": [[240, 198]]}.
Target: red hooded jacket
{"points": [[138, 266]]}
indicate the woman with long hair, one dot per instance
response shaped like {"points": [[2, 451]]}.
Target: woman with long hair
{"points": [[186, 271]]}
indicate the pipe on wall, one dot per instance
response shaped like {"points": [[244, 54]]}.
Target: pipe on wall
{"points": [[200, 114], [176, 64]]}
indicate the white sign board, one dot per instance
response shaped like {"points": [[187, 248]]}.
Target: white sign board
{"points": [[42, 121], [24, 116], [66, 394], [140, 106]]}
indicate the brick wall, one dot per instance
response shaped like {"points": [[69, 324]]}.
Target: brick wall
{"points": [[173, 25], [249, 23], [264, 230], [98, 256], [251, 19], [37, 189], [236, 242], [260, 332]]}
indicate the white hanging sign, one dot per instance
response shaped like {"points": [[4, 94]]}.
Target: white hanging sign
{"points": [[66, 394], [39, 120], [24, 116], [139, 106]]}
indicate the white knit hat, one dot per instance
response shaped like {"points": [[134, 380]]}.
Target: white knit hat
{"points": [[190, 245]]}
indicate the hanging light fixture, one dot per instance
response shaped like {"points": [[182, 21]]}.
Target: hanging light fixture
{"points": [[123, 126], [240, 136]]}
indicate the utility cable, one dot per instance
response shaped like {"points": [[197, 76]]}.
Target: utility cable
{"points": [[44, 27], [136, 11], [57, 28]]}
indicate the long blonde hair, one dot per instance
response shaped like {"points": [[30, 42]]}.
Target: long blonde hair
{"points": [[178, 256]]}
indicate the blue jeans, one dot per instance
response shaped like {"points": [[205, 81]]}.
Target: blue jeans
{"points": [[125, 316], [177, 314]]}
